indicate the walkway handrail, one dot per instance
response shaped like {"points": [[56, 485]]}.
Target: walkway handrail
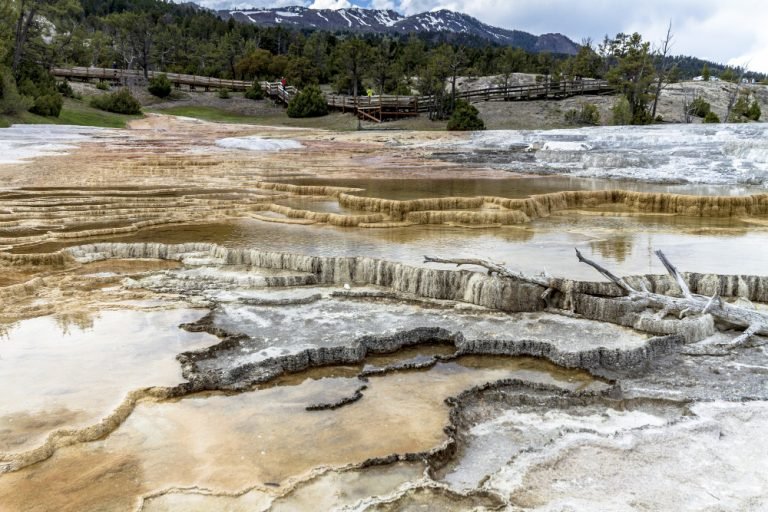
{"points": [[412, 103], [176, 78]]}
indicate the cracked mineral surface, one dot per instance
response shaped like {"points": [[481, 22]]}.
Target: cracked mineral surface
{"points": [[201, 316]]}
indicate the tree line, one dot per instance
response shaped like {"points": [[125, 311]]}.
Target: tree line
{"points": [[145, 35]]}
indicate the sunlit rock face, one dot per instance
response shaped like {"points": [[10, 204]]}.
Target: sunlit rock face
{"points": [[214, 317]]}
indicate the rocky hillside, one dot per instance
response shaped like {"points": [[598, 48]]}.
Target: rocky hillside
{"points": [[386, 21]]}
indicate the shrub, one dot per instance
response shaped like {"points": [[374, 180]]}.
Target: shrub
{"points": [[119, 102], [160, 86], [729, 75], [711, 117], [699, 107], [224, 94], [65, 89], [310, 102], [254, 92], [753, 112], [102, 85], [465, 117], [621, 112], [27, 87], [744, 111], [48, 105], [587, 114], [11, 102]]}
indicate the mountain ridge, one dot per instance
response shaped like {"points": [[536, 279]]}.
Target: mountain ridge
{"points": [[360, 20]]}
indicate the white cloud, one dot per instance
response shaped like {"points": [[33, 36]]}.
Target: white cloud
{"points": [[384, 4], [330, 4]]}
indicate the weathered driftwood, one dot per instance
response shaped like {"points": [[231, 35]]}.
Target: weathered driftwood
{"points": [[753, 321], [494, 268]]}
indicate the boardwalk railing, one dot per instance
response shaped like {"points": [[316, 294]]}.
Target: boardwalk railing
{"points": [[394, 106], [374, 108], [124, 75], [277, 91], [553, 90], [386, 101]]}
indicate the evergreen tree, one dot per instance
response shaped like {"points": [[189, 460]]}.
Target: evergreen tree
{"points": [[465, 117], [308, 103], [160, 86], [351, 58], [632, 74]]}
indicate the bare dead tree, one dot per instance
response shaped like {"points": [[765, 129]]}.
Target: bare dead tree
{"points": [[663, 67], [687, 114], [455, 64], [753, 321]]}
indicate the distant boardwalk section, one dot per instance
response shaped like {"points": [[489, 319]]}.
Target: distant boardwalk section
{"points": [[375, 108]]}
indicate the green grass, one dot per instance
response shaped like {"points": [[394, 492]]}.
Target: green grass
{"points": [[80, 113], [212, 114], [333, 121], [23, 118], [74, 112]]}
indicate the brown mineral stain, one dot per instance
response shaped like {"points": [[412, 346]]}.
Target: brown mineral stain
{"points": [[231, 442]]}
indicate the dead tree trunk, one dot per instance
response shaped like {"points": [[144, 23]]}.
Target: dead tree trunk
{"points": [[662, 71], [754, 322], [22, 32]]}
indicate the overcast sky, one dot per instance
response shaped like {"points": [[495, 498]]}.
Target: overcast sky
{"points": [[727, 31]]}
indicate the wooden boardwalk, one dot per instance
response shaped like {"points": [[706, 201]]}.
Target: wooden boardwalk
{"points": [[379, 108], [126, 76], [375, 108]]}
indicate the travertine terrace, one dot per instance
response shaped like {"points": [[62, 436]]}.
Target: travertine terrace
{"points": [[188, 326]]}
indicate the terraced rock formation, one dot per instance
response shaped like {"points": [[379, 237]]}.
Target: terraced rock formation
{"points": [[189, 327], [284, 324]]}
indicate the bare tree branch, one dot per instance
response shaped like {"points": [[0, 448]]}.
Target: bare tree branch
{"points": [[675, 274], [607, 273], [753, 321], [493, 268], [663, 70]]}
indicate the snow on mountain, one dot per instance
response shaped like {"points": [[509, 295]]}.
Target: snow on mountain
{"points": [[385, 21]]}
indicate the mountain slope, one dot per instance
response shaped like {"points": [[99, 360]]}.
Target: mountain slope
{"points": [[388, 21]]}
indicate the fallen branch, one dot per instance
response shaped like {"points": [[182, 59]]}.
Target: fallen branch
{"points": [[753, 322], [500, 270], [493, 268]]}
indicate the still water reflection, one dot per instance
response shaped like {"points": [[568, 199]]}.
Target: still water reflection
{"points": [[626, 243]]}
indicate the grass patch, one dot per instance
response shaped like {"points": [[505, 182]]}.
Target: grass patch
{"points": [[23, 118], [212, 114], [74, 112], [278, 117], [80, 113]]}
